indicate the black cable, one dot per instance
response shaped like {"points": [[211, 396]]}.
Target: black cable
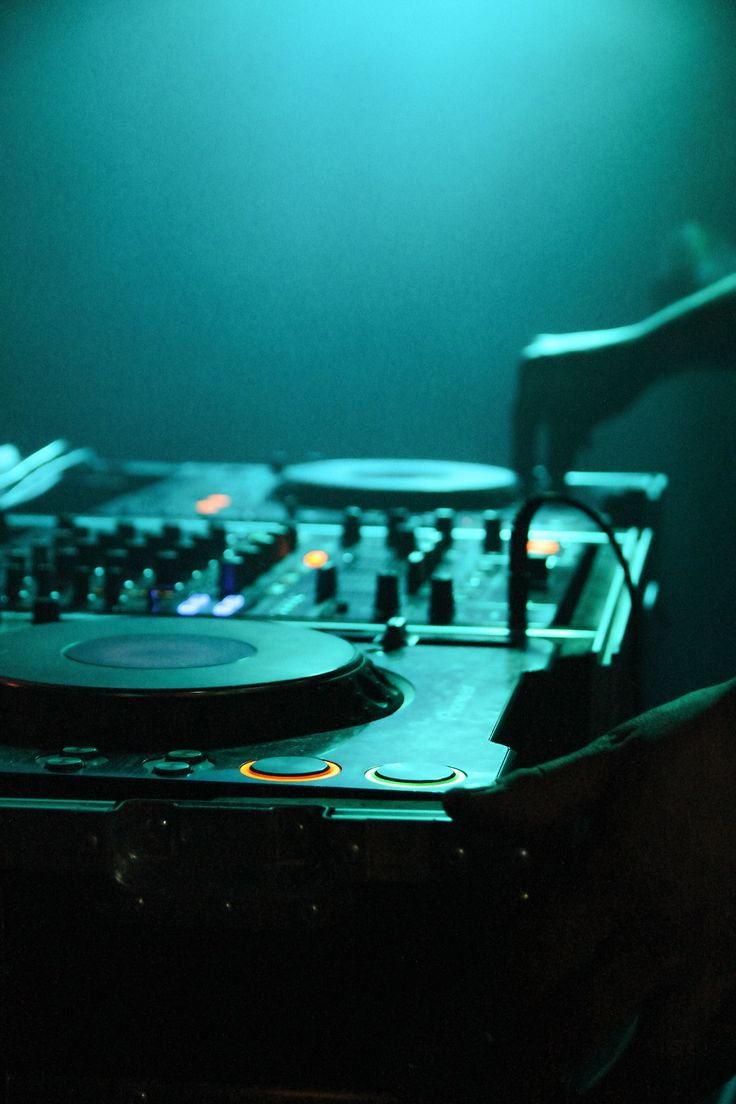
{"points": [[518, 589]]}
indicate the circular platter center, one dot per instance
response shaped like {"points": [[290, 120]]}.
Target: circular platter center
{"points": [[144, 683], [151, 652]]}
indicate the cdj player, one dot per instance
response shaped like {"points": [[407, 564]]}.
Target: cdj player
{"points": [[233, 697]]}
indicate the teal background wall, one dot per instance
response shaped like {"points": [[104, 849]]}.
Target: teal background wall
{"points": [[329, 225]]}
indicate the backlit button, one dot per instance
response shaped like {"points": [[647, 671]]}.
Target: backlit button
{"points": [[289, 768], [185, 755], [418, 773], [84, 753], [170, 768], [63, 764]]}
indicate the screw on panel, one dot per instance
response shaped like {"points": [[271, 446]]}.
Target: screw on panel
{"points": [[311, 912]]}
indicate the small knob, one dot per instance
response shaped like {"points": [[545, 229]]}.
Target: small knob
{"points": [[170, 534], [80, 586], [416, 571], [215, 539], [287, 538], [236, 572], [444, 520], [90, 551], [325, 583], [114, 579], [267, 547], [40, 554], [139, 554], [66, 561], [491, 531], [432, 547], [405, 540], [188, 556], [395, 518], [125, 531], [442, 600], [45, 575], [537, 571], [117, 557], [387, 594], [166, 567], [14, 582], [351, 520], [394, 635]]}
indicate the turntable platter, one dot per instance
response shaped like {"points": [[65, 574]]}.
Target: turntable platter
{"points": [[416, 484], [138, 682]]}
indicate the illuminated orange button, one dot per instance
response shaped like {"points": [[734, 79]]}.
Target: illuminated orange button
{"points": [[213, 503], [317, 557], [542, 547], [289, 768]]}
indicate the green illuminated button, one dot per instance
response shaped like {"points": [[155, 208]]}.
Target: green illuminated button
{"points": [[81, 752], [290, 766], [416, 773], [169, 768], [186, 755], [63, 764]]}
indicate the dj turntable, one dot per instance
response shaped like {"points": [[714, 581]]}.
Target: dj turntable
{"points": [[233, 698]]}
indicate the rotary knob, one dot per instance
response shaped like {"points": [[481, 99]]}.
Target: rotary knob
{"points": [[442, 600], [394, 519], [351, 520], [444, 520], [387, 594], [325, 583], [491, 531], [238, 572], [416, 571], [405, 541]]}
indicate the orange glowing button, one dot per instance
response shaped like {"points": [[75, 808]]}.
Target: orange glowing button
{"points": [[316, 557], [542, 547], [213, 503], [289, 768]]}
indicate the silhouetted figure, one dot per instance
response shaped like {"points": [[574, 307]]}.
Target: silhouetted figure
{"points": [[635, 929]]}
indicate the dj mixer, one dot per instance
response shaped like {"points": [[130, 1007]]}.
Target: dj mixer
{"points": [[233, 697]]}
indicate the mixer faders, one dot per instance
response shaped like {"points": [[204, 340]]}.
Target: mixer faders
{"points": [[441, 570]]}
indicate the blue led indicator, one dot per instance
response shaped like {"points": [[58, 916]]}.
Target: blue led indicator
{"points": [[195, 603], [228, 605]]}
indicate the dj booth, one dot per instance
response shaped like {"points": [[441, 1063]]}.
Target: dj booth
{"points": [[233, 698]]}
